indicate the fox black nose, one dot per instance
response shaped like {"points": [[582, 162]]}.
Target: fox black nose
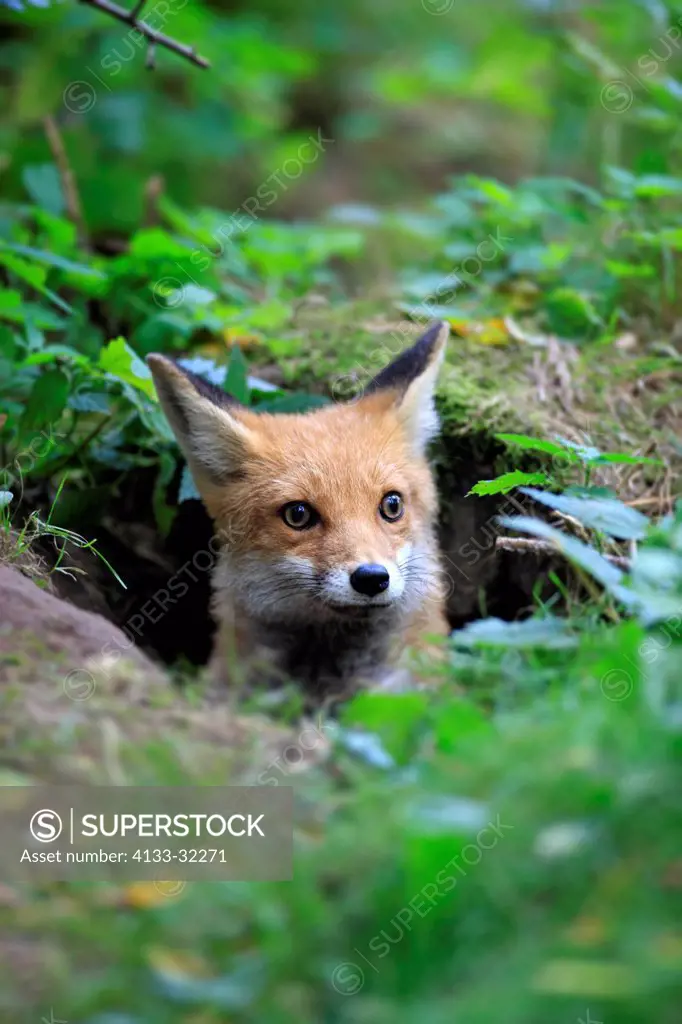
{"points": [[370, 579]]}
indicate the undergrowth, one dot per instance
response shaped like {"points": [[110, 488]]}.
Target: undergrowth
{"points": [[501, 845]]}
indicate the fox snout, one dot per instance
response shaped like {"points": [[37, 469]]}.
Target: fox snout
{"points": [[370, 579], [363, 584]]}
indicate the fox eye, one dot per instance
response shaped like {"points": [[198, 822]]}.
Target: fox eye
{"points": [[392, 506], [299, 515]]}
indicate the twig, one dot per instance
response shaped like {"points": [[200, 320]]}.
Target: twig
{"points": [[67, 178], [544, 547], [130, 18], [655, 500], [60, 463], [153, 190]]}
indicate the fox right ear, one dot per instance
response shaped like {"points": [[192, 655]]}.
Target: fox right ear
{"points": [[203, 419], [411, 380]]}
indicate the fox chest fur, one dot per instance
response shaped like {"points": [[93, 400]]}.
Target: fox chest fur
{"points": [[328, 567]]}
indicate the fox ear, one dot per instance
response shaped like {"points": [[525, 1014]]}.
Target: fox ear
{"points": [[412, 377], [202, 418]]}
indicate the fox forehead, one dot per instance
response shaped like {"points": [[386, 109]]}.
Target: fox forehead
{"points": [[340, 460], [343, 455], [335, 454]]}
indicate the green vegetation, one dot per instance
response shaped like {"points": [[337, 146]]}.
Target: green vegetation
{"points": [[503, 844]]}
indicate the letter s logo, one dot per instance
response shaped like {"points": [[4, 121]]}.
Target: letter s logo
{"points": [[46, 826]]}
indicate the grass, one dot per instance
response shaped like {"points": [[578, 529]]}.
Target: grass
{"points": [[504, 846]]}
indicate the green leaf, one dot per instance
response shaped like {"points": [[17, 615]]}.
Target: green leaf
{"points": [[395, 718], [549, 633], [236, 379], [43, 184], [46, 401], [51, 353], [503, 484], [28, 272], [658, 185], [52, 260], [9, 343], [33, 275], [118, 359], [585, 453], [588, 454], [458, 721], [90, 401], [194, 296], [629, 460], [155, 244], [670, 238], [622, 269], [570, 312], [10, 301], [15, 310], [494, 190], [533, 444], [607, 515]]}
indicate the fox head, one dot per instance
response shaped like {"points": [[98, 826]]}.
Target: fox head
{"points": [[326, 515]]}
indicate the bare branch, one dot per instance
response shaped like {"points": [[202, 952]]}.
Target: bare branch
{"points": [[131, 18], [68, 179], [544, 547], [153, 190]]}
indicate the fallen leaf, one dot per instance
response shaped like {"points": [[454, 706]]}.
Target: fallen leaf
{"points": [[150, 894], [177, 964], [233, 336], [485, 332]]}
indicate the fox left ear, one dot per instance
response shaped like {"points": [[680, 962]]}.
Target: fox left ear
{"points": [[205, 421], [412, 377]]}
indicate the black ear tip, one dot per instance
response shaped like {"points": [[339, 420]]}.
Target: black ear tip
{"points": [[429, 344], [413, 361], [435, 334]]}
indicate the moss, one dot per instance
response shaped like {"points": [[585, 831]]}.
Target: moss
{"points": [[613, 399]]}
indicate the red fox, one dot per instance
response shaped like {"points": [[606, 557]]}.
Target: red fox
{"points": [[328, 568]]}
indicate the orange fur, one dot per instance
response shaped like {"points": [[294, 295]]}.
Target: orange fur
{"points": [[273, 584]]}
